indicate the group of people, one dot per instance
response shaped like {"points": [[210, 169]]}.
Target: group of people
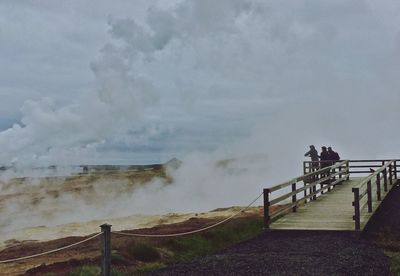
{"points": [[326, 158]]}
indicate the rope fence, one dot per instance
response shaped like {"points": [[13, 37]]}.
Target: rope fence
{"points": [[51, 251], [189, 232], [106, 240]]}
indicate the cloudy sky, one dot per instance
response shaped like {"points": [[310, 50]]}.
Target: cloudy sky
{"points": [[143, 81]]}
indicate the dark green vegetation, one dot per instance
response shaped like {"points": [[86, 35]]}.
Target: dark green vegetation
{"points": [[144, 252], [187, 247], [138, 256]]}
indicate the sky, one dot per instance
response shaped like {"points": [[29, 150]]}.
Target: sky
{"points": [[123, 82]]}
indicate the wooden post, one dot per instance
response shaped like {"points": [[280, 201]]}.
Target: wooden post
{"points": [[395, 169], [348, 170], [356, 205], [314, 189], [331, 179], [266, 209], [390, 175], [106, 250], [294, 209], [369, 195], [378, 187], [385, 186]]}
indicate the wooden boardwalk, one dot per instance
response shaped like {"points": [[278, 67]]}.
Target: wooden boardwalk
{"points": [[331, 198], [330, 211]]}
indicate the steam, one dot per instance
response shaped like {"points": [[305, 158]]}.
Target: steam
{"points": [[253, 82]]}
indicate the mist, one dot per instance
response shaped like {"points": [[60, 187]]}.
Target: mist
{"points": [[254, 82]]}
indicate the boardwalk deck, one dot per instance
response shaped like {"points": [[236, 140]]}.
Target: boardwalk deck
{"points": [[331, 211]]}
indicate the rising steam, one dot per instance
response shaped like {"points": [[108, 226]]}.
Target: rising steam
{"points": [[251, 81]]}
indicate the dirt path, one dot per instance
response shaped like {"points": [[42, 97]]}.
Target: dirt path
{"points": [[292, 253]]}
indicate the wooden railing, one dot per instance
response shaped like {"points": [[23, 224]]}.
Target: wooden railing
{"points": [[362, 166], [369, 190], [309, 186]]}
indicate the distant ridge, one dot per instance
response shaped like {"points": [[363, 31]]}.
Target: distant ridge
{"points": [[173, 163]]}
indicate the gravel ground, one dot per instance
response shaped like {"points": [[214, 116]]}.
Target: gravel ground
{"points": [[305, 252]]}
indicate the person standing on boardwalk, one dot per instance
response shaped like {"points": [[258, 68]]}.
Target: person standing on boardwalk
{"points": [[313, 153], [333, 155], [324, 155]]}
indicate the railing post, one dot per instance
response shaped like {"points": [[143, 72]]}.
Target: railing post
{"points": [[294, 209], [390, 175], [331, 179], [356, 204], [385, 186], [348, 170], [395, 169], [369, 195], [106, 250], [266, 209], [378, 187], [314, 189]]}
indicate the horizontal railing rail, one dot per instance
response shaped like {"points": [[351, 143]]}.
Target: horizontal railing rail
{"points": [[358, 166], [313, 184]]}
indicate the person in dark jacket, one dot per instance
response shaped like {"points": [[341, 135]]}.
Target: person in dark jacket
{"points": [[333, 155], [313, 153], [324, 155]]}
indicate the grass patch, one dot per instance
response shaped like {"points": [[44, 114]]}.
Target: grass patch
{"points": [[144, 252], [86, 271], [187, 247], [93, 271], [115, 272], [394, 262], [147, 268]]}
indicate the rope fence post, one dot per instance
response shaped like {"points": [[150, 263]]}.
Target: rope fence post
{"points": [[106, 250], [266, 208]]}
